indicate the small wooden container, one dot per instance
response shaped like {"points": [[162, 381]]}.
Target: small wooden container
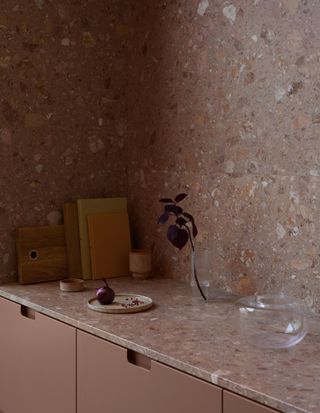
{"points": [[71, 284], [140, 263]]}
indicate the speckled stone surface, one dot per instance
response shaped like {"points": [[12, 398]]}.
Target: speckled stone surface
{"points": [[63, 109], [198, 338], [224, 101], [218, 99]]}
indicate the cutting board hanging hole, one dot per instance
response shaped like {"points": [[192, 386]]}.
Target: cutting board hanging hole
{"points": [[41, 253], [33, 255]]}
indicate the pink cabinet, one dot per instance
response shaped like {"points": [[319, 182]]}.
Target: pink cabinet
{"points": [[233, 403], [37, 362], [111, 378], [47, 366]]}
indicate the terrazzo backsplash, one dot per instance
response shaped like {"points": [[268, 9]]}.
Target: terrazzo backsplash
{"points": [[63, 110], [218, 99], [224, 105]]}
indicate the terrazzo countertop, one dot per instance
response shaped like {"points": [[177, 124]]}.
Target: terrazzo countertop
{"points": [[196, 337]]}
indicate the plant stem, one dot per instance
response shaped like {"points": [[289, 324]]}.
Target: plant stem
{"points": [[194, 265]]}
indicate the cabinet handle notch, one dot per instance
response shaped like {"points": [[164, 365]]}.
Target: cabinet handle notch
{"points": [[139, 359], [27, 312]]}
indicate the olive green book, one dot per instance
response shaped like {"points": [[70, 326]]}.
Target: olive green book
{"points": [[89, 207]]}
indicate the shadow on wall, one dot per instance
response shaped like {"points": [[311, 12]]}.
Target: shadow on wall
{"points": [[171, 100], [220, 97]]}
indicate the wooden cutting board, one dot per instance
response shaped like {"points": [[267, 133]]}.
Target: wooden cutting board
{"points": [[41, 254], [89, 207], [109, 240], [71, 230]]}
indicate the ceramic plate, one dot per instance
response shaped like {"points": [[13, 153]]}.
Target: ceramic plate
{"points": [[122, 303]]}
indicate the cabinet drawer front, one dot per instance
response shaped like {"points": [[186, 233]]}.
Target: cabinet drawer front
{"points": [[185, 393], [109, 379], [232, 403], [37, 358]]}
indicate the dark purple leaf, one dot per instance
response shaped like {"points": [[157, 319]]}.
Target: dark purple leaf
{"points": [[188, 216], [181, 239], [194, 230], [166, 200], [191, 219], [181, 221], [180, 197], [173, 208], [163, 218], [177, 236], [172, 233]]}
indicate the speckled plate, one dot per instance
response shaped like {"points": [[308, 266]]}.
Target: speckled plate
{"points": [[122, 303]]}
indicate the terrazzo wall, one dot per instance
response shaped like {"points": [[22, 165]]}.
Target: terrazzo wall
{"points": [[63, 77], [221, 103], [224, 105]]}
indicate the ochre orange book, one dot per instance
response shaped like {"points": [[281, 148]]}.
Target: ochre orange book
{"points": [[109, 240], [90, 207]]}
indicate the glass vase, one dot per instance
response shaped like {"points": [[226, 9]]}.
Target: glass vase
{"points": [[202, 262]]}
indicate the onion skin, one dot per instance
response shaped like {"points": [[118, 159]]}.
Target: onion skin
{"points": [[105, 294]]}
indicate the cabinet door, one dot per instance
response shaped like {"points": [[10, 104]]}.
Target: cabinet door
{"points": [[37, 359], [113, 379], [233, 403]]}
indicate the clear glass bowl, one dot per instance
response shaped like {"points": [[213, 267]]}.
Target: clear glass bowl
{"points": [[271, 320]]}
